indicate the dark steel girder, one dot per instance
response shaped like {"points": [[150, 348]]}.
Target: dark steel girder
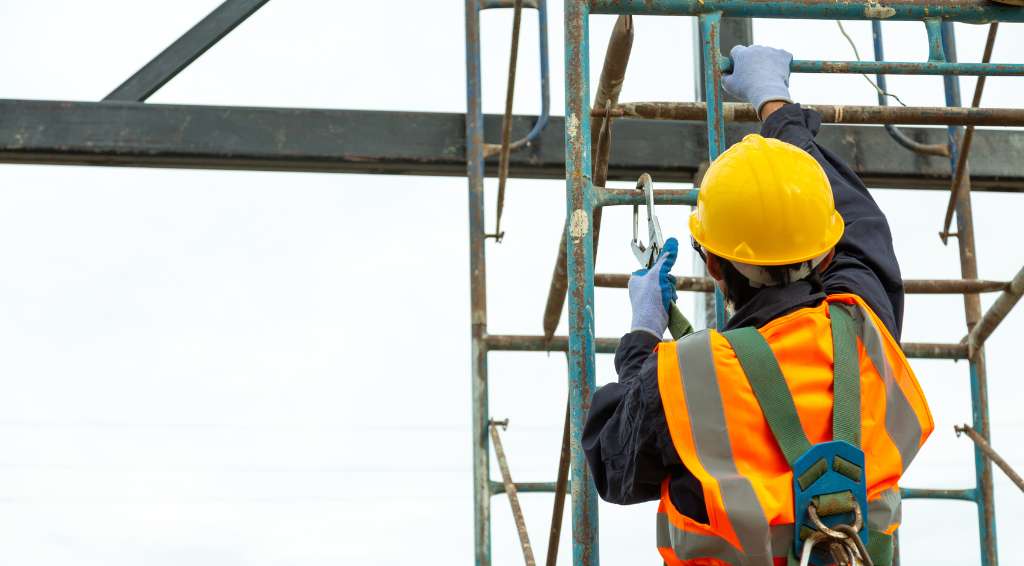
{"points": [[185, 50], [419, 143]]}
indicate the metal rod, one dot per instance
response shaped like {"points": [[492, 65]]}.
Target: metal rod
{"points": [[936, 351], [579, 199], [899, 68], [959, 494], [474, 125], [185, 50], [895, 133], [972, 313], [545, 80], [683, 283], [968, 11], [991, 453], [965, 144], [996, 313], [709, 25], [830, 114], [910, 286], [624, 197], [936, 54], [527, 343], [561, 486], [506, 123], [510, 491], [613, 74], [525, 487], [492, 4]]}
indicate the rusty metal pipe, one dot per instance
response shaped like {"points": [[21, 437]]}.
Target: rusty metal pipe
{"points": [[613, 74], [996, 313], [991, 453], [524, 343], [510, 491], [830, 114], [492, 4], [965, 143], [561, 487], [506, 122], [910, 286]]}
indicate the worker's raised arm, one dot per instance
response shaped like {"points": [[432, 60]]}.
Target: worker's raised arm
{"points": [[865, 262], [625, 437]]}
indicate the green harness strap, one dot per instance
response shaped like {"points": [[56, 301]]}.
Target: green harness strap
{"points": [[846, 379], [776, 400], [770, 388]]}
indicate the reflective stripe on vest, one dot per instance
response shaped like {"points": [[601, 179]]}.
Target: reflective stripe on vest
{"points": [[704, 403], [742, 499], [693, 546], [900, 419]]}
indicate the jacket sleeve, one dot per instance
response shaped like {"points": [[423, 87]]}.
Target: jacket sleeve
{"points": [[626, 439], [865, 262]]}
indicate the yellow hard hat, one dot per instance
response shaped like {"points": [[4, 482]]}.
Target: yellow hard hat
{"points": [[766, 202]]}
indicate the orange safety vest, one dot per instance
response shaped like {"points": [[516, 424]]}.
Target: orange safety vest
{"points": [[721, 435]]}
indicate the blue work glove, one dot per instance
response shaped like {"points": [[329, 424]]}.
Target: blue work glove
{"points": [[651, 291], [759, 75]]}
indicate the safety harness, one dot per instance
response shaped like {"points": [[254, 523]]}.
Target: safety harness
{"points": [[829, 485]]}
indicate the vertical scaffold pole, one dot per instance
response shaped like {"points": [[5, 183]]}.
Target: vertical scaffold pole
{"points": [[710, 25], [478, 288], [972, 311], [579, 212]]}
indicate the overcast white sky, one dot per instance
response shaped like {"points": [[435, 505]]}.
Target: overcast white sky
{"points": [[213, 367]]}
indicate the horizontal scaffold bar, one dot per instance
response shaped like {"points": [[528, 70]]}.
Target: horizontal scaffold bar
{"points": [[492, 4], [498, 487], [911, 286], [430, 143], [830, 114], [619, 197], [958, 494], [967, 11], [524, 343], [898, 68]]}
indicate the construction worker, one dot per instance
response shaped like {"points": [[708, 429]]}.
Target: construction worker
{"points": [[788, 429]]}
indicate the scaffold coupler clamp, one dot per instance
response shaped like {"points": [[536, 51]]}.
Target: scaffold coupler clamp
{"points": [[830, 506]]}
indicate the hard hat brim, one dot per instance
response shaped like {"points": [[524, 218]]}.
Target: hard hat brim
{"points": [[829, 241]]}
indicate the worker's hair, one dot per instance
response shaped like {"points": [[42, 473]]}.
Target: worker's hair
{"points": [[739, 291]]}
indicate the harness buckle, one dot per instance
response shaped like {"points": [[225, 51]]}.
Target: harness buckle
{"points": [[830, 503]]}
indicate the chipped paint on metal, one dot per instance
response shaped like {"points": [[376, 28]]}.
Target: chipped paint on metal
{"points": [[572, 126], [876, 11], [579, 224]]}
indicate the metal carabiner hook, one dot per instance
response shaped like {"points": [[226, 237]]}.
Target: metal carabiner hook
{"points": [[648, 254]]}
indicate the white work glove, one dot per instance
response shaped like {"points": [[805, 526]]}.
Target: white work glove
{"points": [[759, 74]]}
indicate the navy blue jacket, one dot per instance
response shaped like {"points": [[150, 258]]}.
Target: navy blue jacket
{"points": [[626, 439]]}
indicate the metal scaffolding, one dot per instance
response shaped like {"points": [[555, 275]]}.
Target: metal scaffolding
{"points": [[588, 134], [122, 130]]}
